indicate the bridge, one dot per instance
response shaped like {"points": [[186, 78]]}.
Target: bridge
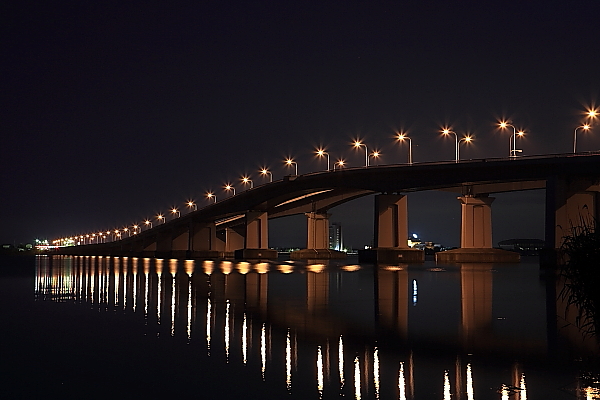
{"points": [[238, 225]]}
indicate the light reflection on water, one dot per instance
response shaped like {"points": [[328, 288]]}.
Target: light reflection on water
{"points": [[304, 308]]}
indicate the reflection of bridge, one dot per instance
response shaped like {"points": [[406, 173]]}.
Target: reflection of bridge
{"points": [[241, 221], [237, 312]]}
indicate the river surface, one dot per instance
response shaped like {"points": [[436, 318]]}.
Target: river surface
{"points": [[109, 327]]}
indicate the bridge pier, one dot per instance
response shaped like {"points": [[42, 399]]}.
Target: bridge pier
{"points": [[476, 234], [317, 242], [391, 232], [256, 241]]}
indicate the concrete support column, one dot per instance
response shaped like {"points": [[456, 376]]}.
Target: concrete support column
{"points": [[202, 236], [318, 230], [476, 222], [257, 230], [233, 240], [570, 202], [391, 221]]}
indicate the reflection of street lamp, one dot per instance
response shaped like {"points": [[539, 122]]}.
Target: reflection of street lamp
{"points": [[585, 127], [340, 164], [265, 172], [321, 153], [211, 195], [246, 180], [357, 144], [448, 132], [289, 162], [401, 138], [176, 211], [230, 188], [191, 204]]}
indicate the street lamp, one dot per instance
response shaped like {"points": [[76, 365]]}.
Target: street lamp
{"points": [[448, 132], [592, 113], [211, 195], [289, 162], [375, 154], [148, 222], [160, 217], [585, 127], [191, 204], [467, 139], [137, 229], [246, 180], [127, 230], [515, 150], [401, 138], [321, 153], [176, 211], [513, 140], [230, 188], [340, 164], [357, 144], [265, 172]]}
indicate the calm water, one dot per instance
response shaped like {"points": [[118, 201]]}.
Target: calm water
{"points": [[94, 327]]}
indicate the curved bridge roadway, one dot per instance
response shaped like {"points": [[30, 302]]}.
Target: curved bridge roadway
{"points": [[320, 191]]}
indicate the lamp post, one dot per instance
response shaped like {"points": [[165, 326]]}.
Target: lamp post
{"points": [[211, 196], [467, 139], [513, 140], [357, 144], [585, 127], [401, 138], [448, 132], [321, 153], [246, 180], [176, 211], [161, 217], [136, 229], [265, 172], [375, 154], [230, 188], [514, 143], [289, 162], [128, 232], [191, 204], [148, 222], [340, 164]]}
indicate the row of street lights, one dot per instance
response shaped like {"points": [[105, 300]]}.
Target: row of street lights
{"points": [[401, 137]]}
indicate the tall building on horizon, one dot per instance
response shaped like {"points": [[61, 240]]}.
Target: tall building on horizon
{"points": [[335, 236]]}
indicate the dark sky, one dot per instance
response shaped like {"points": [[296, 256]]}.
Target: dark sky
{"points": [[114, 111]]}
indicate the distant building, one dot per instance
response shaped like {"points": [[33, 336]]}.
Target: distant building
{"points": [[335, 236], [523, 246]]}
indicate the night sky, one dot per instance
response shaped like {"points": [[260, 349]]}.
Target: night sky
{"points": [[114, 112]]}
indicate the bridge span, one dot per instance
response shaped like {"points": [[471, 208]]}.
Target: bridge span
{"points": [[239, 224]]}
